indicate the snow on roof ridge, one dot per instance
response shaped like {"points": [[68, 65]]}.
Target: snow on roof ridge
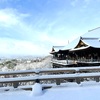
{"points": [[93, 29], [88, 38], [57, 46]]}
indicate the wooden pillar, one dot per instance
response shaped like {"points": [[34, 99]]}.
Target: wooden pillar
{"points": [[97, 79], [15, 84], [57, 81], [78, 80], [37, 81]]}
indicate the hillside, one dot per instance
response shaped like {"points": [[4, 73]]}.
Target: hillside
{"points": [[25, 64]]}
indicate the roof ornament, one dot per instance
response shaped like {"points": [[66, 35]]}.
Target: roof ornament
{"points": [[53, 49], [81, 38]]}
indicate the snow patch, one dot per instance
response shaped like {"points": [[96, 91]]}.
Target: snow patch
{"points": [[36, 89]]}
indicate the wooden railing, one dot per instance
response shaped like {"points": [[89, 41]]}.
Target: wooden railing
{"points": [[76, 74]]}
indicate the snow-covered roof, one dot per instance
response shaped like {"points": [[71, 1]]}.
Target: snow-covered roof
{"points": [[94, 33], [72, 44], [92, 42], [56, 49], [92, 38]]}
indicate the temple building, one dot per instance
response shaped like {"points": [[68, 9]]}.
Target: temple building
{"points": [[83, 51]]}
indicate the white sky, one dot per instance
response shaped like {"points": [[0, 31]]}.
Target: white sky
{"points": [[38, 25]]}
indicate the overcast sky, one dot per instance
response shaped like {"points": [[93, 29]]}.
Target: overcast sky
{"points": [[32, 27]]}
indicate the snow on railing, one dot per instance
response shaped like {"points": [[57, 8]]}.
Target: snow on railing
{"points": [[76, 74]]}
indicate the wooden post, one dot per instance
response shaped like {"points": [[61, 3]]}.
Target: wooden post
{"points": [[97, 79], [57, 81], [37, 81], [78, 81], [15, 84]]}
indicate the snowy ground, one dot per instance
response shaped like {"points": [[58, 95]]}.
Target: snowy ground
{"points": [[69, 91], [89, 90]]}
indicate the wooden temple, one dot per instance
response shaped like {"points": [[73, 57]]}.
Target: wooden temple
{"points": [[83, 51]]}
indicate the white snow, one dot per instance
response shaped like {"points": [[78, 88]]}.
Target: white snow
{"points": [[77, 69], [69, 91], [36, 89], [87, 90]]}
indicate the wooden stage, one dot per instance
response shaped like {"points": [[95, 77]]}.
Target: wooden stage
{"points": [[61, 64]]}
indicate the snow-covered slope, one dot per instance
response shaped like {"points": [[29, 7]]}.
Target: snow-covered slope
{"points": [[26, 64]]}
